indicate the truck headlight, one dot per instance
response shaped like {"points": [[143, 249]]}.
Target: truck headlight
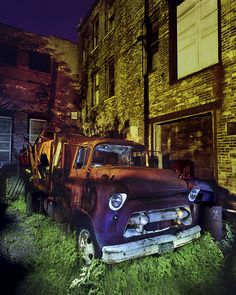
{"points": [[117, 201], [140, 218], [193, 194]]}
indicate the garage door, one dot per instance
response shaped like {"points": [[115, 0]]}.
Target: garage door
{"points": [[187, 139]]}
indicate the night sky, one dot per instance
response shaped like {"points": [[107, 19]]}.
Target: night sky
{"points": [[45, 17]]}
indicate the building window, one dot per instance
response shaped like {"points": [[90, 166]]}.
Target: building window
{"points": [[95, 31], [39, 62], [8, 55], [197, 36], [111, 78], [84, 48], [95, 89], [5, 139], [110, 17], [153, 42], [35, 128]]}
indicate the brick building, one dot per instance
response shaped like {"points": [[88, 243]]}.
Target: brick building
{"points": [[162, 72], [110, 60], [38, 86]]}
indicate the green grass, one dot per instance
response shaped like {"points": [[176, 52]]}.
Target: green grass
{"points": [[50, 257]]}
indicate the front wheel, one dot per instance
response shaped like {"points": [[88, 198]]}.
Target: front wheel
{"points": [[87, 245]]}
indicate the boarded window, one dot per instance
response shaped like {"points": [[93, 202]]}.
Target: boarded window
{"points": [[39, 62], [8, 55], [5, 139], [35, 128], [197, 35]]}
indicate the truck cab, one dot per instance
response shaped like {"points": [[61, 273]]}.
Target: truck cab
{"points": [[105, 188]]}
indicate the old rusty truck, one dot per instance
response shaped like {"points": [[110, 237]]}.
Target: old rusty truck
{"points": [[104, 188]]}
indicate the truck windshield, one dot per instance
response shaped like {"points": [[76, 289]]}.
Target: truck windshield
{"points": [[118, 155]]}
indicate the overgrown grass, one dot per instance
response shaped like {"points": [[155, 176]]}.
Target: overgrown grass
{"points": [[50, 253], [193, 269], [196, 268]]}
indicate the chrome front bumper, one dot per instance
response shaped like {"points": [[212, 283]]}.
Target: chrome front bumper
{"points": [[149, 246]]}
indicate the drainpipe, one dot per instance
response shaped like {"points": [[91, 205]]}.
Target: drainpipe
{"points": [[146, 68]]}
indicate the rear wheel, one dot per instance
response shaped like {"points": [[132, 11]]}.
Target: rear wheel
{"points": [[88, 249], [30, 206], [34, 203]]}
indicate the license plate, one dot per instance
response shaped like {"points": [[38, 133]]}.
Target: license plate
{"points": [[166, 247]]}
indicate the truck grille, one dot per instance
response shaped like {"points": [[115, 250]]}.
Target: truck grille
{"points": [[141, 223]]}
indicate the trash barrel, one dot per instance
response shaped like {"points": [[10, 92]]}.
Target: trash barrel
{"points": [[212, 221]]}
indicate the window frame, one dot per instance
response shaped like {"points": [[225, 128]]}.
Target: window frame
{"points": [[154, 41], [31, 135], [8, 54], [85, 157], [95, 88], [111, 77], [84, 47], [110, 17], [40, 62], [173, 52], [10, 139], [95, 35]]}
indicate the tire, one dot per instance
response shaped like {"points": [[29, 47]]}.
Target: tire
{"points": [[34, 203], [30, 206], [88, 249]]}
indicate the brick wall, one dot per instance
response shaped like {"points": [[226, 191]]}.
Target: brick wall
{"points": [[210, 85], [210, 91], [122, 113], [226, 144], [27, 93]]}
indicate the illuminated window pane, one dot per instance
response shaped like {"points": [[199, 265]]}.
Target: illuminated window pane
{"points": [[197, 35]]}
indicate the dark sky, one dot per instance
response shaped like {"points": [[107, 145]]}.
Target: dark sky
{"points": [[45, 17]]}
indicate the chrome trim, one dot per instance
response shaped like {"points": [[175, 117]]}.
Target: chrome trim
{"points": [[149, 246]]}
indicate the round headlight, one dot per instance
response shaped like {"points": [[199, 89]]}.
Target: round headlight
{"points": [[117, 200], [193, 194]]}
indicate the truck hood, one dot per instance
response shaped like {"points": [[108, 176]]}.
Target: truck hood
{"points": [[142, 182]]}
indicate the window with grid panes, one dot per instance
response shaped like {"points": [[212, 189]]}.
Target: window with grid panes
{"points": [[35, 128], [197, 36]]}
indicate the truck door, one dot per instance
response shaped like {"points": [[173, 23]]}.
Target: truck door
{"points": [[68, 154], [79, 175]]}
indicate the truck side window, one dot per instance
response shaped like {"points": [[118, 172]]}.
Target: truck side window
{"points": [[81, 157], [57, 156]]}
